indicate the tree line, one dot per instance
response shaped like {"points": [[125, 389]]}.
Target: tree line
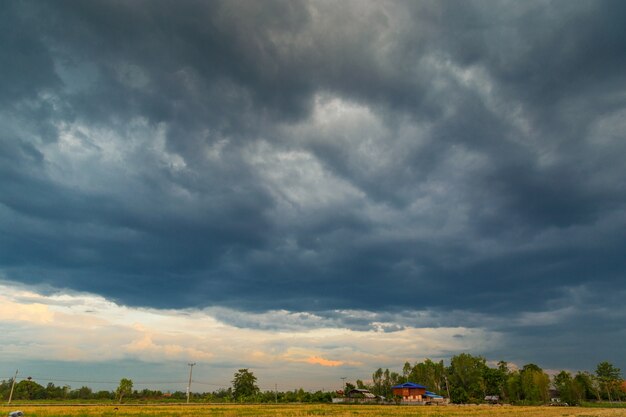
{"points": [[468, 379], [244, 389]]}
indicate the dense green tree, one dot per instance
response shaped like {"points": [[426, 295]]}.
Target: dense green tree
{"points": [[244, 385], [430, 374], [609, 378], [467, 378], [28, 389], [570, 390], [124, 389], [495, 381], [535, 384], [382, 381], [589, 385], [104, 395], [513, 387], [83, 393]]}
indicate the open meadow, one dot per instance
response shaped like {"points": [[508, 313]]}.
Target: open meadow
{"points": [[223, 410]]}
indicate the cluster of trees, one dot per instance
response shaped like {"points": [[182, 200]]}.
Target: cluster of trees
{"points": [[469, 379], [28, 389], [244, 389]]}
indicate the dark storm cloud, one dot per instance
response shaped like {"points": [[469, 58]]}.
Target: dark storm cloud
{"points": [[315, 156]]}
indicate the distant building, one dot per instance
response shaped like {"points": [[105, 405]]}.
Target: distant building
{"points": [[361, 393], [358, 395], [432, 397], [410, 392]]}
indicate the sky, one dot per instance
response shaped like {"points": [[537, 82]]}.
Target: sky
{"points": [[309, 189]]}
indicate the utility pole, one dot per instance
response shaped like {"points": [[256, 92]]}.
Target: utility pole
{"points": [[12, 386], [276, 393], [189, 384], [343, 381]]}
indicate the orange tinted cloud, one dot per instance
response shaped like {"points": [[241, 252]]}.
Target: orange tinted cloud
{"points": [[316, 360]]}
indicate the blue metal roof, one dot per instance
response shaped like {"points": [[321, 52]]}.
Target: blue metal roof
{"points": [[433, 395], [409, 385]]}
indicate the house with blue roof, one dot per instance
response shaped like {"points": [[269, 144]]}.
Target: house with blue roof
{"points": [[409, 391], [415, 393]]}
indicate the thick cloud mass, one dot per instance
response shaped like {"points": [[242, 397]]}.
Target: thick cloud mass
{"points": [[320, 157]]}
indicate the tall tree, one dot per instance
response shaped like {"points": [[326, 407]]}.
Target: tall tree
{"points": [[535, 383], [429, 373], [569, 389], [608, 377], [377, 381], [589, 385], [244, 385], [406, 371], [124, 389], [467, 378], [495, 380]]}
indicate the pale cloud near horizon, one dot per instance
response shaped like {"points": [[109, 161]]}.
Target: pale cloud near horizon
{"points": [[80, 327]]}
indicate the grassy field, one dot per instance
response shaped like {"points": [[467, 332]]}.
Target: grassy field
{"points": [[304, 410]]}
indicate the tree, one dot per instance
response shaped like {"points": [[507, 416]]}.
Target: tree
{"points": [[348, 387], [84, 393], [570, 390], [608, 377], [430, 374], [124, 389], [29, 390], [495, 380], [382, 381], [588, 385], [244, 385], [467, 378], [535, 384], [406, 371], [377, 381], [513, 387]]}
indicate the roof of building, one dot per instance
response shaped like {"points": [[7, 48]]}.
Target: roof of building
{"points": [[364, 392], [409, 385], [433, 395]]}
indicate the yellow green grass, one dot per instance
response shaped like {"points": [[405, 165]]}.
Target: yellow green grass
{"points": [[304, 410]]}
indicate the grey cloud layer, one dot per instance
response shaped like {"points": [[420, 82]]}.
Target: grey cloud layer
{"points": [[315, 156]]}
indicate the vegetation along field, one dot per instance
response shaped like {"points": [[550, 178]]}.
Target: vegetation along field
{"points": [[307, 410]]}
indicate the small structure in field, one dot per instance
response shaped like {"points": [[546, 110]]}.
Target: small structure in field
{"points": [[431, 397], [358, 395], [361, 393], [492, 399]]}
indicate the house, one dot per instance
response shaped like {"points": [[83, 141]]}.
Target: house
{"points": [[410, 392], [358, 395], [361, 393]]}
